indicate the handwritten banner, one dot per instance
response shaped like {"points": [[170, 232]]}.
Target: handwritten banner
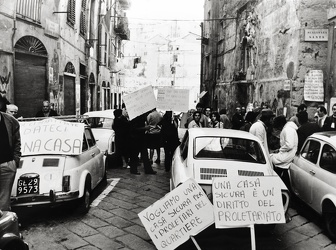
{"points": [[51, 136], [313, 87], [140, 102], [173, 99], [182, 213], [242, 201]]}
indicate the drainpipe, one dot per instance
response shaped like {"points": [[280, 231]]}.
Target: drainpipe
{"points": [[13, 55]]}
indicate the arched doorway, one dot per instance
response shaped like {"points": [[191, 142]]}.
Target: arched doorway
{"points": [[69, 89], [30, 82]]}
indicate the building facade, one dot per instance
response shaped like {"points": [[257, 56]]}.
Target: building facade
{"points": [[266, 53], [63, 51]]}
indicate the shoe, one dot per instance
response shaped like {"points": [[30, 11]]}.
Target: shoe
{"points": [[157, 161], [136, 173], [151, 172]]}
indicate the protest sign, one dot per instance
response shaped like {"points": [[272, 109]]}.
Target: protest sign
{"points": [[182, 213], [51, 136], [140, 101], [243, 201], [173, 99], [313, 88]]}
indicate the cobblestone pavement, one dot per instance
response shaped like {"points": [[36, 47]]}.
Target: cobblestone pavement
{"points": [[112, 222]]}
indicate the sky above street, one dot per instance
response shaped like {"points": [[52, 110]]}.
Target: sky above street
{"points": [[166, 9]]}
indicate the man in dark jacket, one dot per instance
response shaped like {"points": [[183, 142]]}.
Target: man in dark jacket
{"points": [[306, 128], [330, 121], [46, 111], [10, 148]]}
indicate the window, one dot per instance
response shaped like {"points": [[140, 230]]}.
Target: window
{"points": [[85, 145], [71, 18], [184, 146], [83, 19], [89, 136], [328, 158], [311, 151], [29, 10]]}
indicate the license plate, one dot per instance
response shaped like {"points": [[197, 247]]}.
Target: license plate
{"points": [[28, 186]]}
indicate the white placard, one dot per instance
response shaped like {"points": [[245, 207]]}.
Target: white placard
{"points": [[140, 102], [51, 136], [182, 213], [243, 201], [314, 35], [313, 87], [173, 99]]}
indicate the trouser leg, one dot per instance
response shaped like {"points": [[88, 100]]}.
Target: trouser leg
{"points": [[7, 175]]}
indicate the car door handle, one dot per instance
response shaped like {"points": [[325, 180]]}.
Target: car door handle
{"points": [[312, 172], [93, 154]]}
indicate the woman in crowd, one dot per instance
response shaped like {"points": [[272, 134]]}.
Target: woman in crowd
{"points": [[215, 121]]}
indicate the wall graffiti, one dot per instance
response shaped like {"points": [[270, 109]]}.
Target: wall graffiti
{"points": [[4, 81]]}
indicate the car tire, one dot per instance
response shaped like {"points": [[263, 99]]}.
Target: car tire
{"points": [[330, 224], [85, 201]]}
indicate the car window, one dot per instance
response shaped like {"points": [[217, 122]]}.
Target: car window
{"points": [[228, 148], [311, 151], [328, 158], [184, 146], [89, 137], [85, 145], [100, 122]]}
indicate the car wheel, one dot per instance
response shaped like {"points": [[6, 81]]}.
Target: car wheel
{"points": [[84, 203], [330, 223]]}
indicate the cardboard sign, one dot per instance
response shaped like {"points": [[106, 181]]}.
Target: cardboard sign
{"points": [[140, 102], [242, 201], [313, 87], [183, 212], [173, 99], [51, 136]]}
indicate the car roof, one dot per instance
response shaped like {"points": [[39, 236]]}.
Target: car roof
{"points": [[108, 113], [195, 132], [328, 136]]}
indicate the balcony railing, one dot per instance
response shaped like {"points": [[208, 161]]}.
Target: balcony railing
{"points": [[121, 28]]}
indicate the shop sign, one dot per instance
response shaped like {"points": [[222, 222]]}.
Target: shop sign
{"points": [[316, 35]]}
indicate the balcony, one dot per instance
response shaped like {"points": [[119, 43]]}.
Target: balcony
{"points": [[124, 4], [121, 28]]}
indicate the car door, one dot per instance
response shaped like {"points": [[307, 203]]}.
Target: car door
{"points": [[303, 168], [324, 181]]}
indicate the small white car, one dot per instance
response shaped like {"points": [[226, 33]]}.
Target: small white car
{"points": [[313, 177], [60, 162], [205, 153], [101, 125]]}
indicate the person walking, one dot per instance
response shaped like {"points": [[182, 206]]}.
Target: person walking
{"points": [[10, 148], [169, 137], [330, 121], [153, 135], [215, 121], [121, 129], [138, 129], [46, 111], [196, 122]]}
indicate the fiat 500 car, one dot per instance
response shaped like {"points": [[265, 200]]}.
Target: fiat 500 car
{"points": [[10, 237], [60, 162], [205, 153], [101, 125], [313, 177]]}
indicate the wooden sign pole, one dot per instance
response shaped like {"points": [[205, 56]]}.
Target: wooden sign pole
{"points": [[195, 242], [253, 241]]}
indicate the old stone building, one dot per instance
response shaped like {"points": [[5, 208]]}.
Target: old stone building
{"points": [[64, 51], [267, 53]]}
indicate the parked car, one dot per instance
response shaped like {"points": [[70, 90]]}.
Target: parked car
{"points": [[205, 153], [313, 177], [101, 125], [60, 162], [10, 237]]}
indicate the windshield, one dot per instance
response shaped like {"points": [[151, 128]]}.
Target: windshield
{"points": [[229, 149], [100, 122]]}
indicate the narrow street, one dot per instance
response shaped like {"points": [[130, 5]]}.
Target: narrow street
{"points": [[112, 222]]}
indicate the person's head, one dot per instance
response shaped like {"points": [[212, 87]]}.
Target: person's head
{"points": [[321, 111], [45, 106], [333, 109], [302, 107], [199, 107], [279, 122], [117, 113], [12, 110], [222, 111], [243, 110], [250, 116], [215, 116], [238, 110], [197, 116], [207, 111], [302, 117], [168, 115], [266, 116]]}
